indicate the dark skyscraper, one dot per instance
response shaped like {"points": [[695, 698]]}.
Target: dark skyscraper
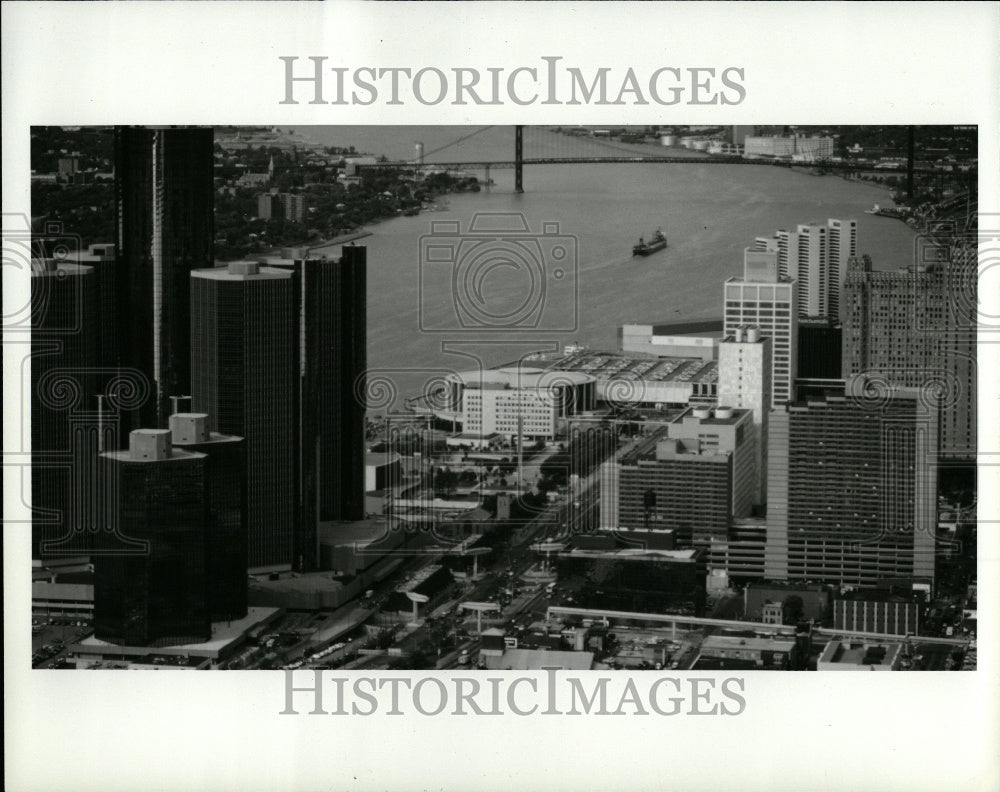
{"points": [[226, 538], [64, 350], [819, 349], [332, 365], [244, 375], [150, 578], [164, 203]]}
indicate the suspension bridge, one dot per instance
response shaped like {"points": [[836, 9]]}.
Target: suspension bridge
{"points": [[557, 147]]}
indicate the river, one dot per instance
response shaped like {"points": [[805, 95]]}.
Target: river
{"points": [[709, 213]]}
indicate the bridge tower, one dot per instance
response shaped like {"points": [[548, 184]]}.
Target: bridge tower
{"points": [[519, 159]]}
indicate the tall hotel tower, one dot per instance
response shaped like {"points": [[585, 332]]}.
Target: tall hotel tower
{"points": [[164, 204], [764, 299], [244, 376], [332, 365]]}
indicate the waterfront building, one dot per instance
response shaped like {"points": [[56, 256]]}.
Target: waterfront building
{"points": [[670, 341], [150, 576], [164, 200], [769, 301], [332, 360], [226, 531], [915, 328], [244, 364], [842, 246], [852, 489], [517, 401], [815, 256], [780, 147]]}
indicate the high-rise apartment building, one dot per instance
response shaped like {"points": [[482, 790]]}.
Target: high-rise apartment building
{"points": [[745, 381], [244, 366], [916, 328], [226, 531], [150, 578], [852, 489], [765, 299], [842, 246], [815, 256], [164, 201]]}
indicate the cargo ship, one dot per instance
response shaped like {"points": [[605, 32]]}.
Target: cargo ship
{"points": [[644, 248]]}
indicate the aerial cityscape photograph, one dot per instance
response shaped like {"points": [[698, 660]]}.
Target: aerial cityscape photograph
{"points": [[504, 398]]}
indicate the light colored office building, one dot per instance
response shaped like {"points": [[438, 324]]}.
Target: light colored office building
{"points": [[765, 299], [745, 381]]}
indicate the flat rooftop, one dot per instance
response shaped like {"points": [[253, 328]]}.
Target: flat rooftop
{"points": [[731, 642], [617, 366], [356, 533], [520, 377], [536, 659], [254, 272]]}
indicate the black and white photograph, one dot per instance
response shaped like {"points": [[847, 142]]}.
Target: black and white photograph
{"points": [[683, 397], [414, 411]]}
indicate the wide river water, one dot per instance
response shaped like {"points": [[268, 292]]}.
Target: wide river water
{"points": [[709, 213]]}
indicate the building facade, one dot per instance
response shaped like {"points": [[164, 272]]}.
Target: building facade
{"points": [[689, 478], [64, 353], [878, 614], [164, 197], [852, 490], [332, 362], [764, 299], [816, 257], [226, 532], [151, 578], [517, 401], [745, 370], [244, 363], [915, 328]]}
